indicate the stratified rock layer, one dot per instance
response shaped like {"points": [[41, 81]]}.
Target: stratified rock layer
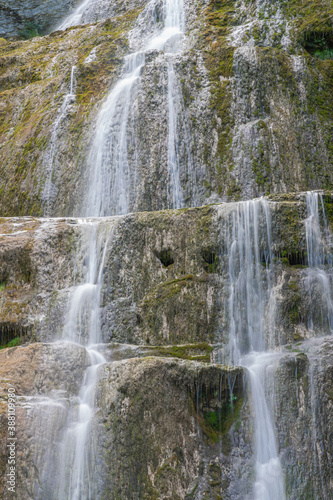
{"points": [[165, 275], [254, 106]]}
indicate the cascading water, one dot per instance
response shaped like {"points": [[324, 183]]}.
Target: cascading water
{"points": [[319, 255], [248, 240], [109, 193], [175, 194], [77, 451], [110, 176], [76, 473], [269, 483], [83, 322], [49, 191], [110, 183], [243, 236], [76, 17]]}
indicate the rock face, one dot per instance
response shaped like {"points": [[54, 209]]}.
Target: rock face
{"points": [[168, 423], [172, 439], [44, 377], [164, 339], [28, 18], [165, 275], [304, 401], [253, 84]]}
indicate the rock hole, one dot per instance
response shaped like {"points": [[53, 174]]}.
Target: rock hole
{"points": [[11, 333], [165, 257], [319, 44], [295, 258], [210, 258]]}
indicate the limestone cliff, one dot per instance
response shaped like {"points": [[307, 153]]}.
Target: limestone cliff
{"points": [[167, 336], [254, 106], [165, 274]]}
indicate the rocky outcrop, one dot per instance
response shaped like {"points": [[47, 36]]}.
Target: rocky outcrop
{"points": [[165, 275], [303, 402], [179, 415], [43, 378], [30, 18], [185, 405], [253, 107], [169, 428], [168, 421]]}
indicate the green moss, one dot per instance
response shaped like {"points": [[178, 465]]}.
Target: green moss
{"points": [[218, 57], [313, 23], [193, 352], [30, 30], [216, 424], [211, 260], [13, 343], [170, 288], [328, 206]]}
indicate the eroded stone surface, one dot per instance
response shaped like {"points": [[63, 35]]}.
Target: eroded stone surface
{"points": [[152, 428], [165, 276], [254, 106]]}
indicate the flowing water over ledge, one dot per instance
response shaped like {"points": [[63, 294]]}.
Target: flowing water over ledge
{"points": [[113, 179], [249, 270], [74, 471]]}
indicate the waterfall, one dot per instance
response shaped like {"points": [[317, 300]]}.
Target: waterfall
{"points": [[76, 17], [249, 251], [319, 255], [175, 20], [248, 240], [175, 192], [110, 182], [77, 479], [244, 236], [109, 193], [83, 322], [269, 483], [49, 191]]}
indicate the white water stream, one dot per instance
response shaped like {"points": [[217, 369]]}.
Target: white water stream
{"points": [[75, 18], [269, 483], [49, 191], [245, 257], [110, 190], [77, 478], [249, 249], [319, 254], [83, 319]]}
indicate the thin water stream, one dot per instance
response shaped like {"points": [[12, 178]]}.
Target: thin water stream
{"points": [[49, 191], [75, 18], [77, 479], [248, 237], [319, 255]]}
